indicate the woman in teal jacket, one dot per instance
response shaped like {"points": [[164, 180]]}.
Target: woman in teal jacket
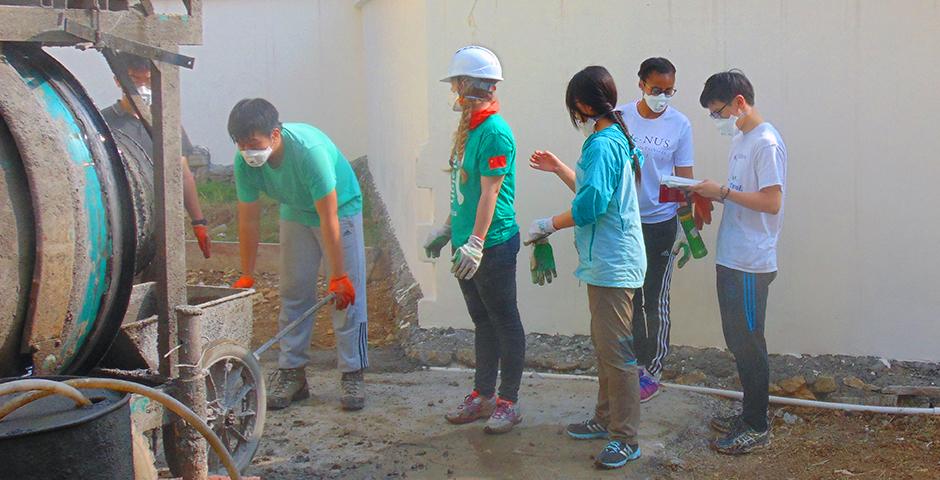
{"points": [[611, 255]]}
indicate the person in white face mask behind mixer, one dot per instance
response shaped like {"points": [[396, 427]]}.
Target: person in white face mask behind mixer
{"points": [[664, 135], [122, 117]]}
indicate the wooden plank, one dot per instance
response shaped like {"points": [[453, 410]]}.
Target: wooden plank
{"points": [[36, 24], [911, 391]]}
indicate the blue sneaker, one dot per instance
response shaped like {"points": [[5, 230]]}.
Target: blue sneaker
{"points": [[616, 454], [586, 430]]}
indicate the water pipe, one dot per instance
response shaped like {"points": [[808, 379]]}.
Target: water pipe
{"points": [[796, 402], [47, 387]]}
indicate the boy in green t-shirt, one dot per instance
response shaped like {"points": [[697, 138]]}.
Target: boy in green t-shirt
{"points": [[321, 214]]}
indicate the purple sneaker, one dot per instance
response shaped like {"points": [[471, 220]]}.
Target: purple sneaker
{"points": [[649, 387], [473, 407], [506, 416]]}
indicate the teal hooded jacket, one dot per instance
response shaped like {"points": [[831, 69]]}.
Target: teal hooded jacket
{"points": [[608, 234]]}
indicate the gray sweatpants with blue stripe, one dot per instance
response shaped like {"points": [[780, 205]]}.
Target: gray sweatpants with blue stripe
{"points": [[301, 255], [742, 299]]}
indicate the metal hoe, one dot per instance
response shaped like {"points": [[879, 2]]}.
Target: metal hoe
{"points": [[308, 315]]}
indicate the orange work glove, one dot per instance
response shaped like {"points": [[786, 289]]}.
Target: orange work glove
{"points": [[701, 211], [202, 235], [345, 293], [245, 281]]}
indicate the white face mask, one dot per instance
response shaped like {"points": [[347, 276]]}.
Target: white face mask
{"points": [[145, 94], [727, 126], [586, 127], [256, 158], [657, 103]]}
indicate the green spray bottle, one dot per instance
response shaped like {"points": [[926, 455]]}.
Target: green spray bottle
{"points": [[691, 233]]}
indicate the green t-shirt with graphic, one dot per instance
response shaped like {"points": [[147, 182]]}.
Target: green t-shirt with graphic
{"points": [[311, 168], [490, 152]]}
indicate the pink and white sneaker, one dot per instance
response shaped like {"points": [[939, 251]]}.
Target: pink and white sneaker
{"points": [[649, 386], [473, 407], [506, 416]]}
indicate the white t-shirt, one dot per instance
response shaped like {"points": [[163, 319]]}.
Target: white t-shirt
{"points": [[747, 239], [666, 143]]}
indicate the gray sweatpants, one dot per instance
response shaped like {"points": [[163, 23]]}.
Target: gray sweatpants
{"points": [[301, 254]]}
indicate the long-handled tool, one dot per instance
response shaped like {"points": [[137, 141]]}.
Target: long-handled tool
{"points": [[301, 319]]}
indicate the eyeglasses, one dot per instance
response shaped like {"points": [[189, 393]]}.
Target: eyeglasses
{"points": [[717, 113], [656, 91]]}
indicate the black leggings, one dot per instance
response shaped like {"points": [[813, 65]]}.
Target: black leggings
{"points": [[500, 339]]}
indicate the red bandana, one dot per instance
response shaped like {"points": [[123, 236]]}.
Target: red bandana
{"points": [[480, 116]]}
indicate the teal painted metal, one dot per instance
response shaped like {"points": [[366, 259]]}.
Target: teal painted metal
{"points": [[99, 247]]}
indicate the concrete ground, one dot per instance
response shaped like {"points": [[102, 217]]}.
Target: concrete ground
{"points": [[402, 433]]}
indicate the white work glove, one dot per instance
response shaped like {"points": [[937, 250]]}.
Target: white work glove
{"points": [[436, 239], [540, 230], [467, 258]]}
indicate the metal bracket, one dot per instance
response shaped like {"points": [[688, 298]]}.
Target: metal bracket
{"points": [[105, 40]]}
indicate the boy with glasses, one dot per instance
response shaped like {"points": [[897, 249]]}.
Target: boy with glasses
{"points": [[747, 248]]}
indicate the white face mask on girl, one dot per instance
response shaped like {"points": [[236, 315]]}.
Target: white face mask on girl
{"points": [[727, 126], [657, 103], [586, 127], [256, 158]]}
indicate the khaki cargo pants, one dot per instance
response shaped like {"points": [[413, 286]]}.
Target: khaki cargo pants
{"points": [[618, 393]]}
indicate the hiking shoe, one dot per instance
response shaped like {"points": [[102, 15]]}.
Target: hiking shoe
{"points": [[725, 424], [742, 440], [354, 391], [473, 407], [616, 454], [586, 430], [504, 417], [287, 385], [649, 387]]}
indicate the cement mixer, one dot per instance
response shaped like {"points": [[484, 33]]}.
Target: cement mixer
{"points": [[74, 218]]}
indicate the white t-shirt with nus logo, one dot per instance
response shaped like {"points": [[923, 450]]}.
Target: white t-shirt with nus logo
{"points": [[747, 239], [666, 143]]}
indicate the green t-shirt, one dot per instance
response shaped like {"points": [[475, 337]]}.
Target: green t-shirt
{"points": [[311, 168], [490, 152]]}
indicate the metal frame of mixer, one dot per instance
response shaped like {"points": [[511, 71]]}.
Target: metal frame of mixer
{"points": [[142, 31]]}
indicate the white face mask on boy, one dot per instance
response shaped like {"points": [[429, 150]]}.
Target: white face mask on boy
{"points": [[256, 158], [727, 126]]}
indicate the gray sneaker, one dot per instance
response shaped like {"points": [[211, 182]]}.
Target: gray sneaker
{"points": [[354, 391], [742, 440], [725, 424], [287, 385], [506, 416]]}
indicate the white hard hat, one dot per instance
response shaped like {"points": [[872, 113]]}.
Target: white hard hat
{"points": [[476, 62]]}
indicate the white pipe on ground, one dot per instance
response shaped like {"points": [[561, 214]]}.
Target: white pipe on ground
{"points": [[796, 402]]}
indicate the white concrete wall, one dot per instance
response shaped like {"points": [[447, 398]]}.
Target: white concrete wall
{"points": [[305, 56], [394, 38], [849, 85]]}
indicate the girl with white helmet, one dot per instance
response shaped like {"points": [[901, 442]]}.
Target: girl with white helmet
{"points": [[484, 236]]}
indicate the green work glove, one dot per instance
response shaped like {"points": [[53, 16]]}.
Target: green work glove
{"points": [[686, 252], [436, 239], [542, 263]]}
